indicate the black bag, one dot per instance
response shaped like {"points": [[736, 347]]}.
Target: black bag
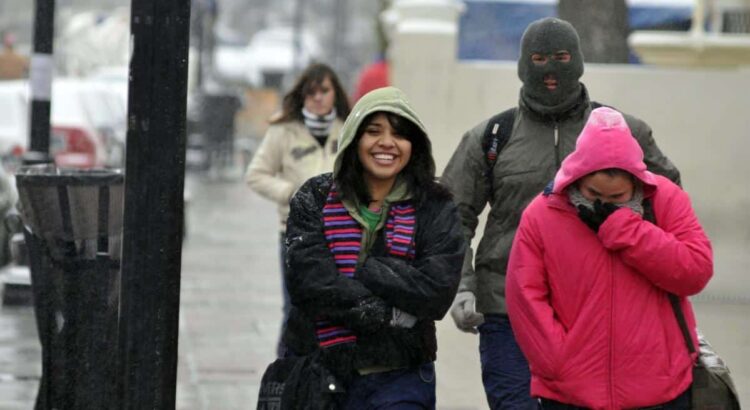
{"points": [[713, 387], [273, 382], [299, 383]]}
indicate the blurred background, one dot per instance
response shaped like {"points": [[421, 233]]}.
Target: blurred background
{"points": [[244, 53], [681, 65]]}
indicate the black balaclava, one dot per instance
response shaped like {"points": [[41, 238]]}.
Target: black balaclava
{"points": [[547, 36]]}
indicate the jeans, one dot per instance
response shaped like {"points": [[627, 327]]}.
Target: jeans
{"points": [[505, 371], [682, 402], [402, 389]]}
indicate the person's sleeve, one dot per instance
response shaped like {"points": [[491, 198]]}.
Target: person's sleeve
{"points": [[655, 160], [539, 334], [426, 287], [465, 176], [263, 172], [675, 255]]}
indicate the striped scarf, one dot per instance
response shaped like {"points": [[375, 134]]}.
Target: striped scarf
{"points": [[319, 125], [344, 237]]}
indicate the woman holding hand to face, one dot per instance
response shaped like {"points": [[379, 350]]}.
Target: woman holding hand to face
{"points": [[590, 274]]}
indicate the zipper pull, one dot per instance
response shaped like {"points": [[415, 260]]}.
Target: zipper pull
{"points": [[557, 135]]}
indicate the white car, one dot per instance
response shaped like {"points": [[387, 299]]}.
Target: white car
{"points": [[267, 59], [87, 120], [79, 121]]}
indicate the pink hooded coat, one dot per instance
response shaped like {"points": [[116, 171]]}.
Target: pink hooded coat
{"points": [[590, 310]]}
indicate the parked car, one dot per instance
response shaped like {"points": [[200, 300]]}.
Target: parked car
{"points": [[82, 124], [87, 121]]}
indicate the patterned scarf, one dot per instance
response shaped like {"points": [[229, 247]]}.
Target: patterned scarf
{"points": [[344, 237], [635, 203], [319, 125]]}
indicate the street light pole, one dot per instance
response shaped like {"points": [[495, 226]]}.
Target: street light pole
{"points": [[339, 38], [41, 75], [299, 13], [153, 216]]}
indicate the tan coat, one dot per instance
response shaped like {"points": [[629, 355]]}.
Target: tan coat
{"points": [[288, 156]]}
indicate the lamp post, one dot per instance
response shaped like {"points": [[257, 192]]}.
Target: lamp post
{"points": [[299, 13], [41, 75]]}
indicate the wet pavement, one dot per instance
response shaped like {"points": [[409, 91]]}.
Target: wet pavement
{"points": [[20, 358], [231, 309]]}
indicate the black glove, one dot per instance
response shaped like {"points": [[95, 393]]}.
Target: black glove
{"points": [[594, 219], [369, 315]]}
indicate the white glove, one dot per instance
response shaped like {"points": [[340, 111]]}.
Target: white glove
{"points": [[464, 312], [403, 319]]}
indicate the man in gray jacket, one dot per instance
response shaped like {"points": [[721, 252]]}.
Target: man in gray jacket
{"points": [[542, 131]]}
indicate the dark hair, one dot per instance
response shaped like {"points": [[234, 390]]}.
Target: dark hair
{"points": [[419, 172], [313, 76]]}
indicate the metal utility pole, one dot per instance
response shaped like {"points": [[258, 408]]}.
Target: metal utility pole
{"points": [[339, 36], [153, 216], [299, 14], [41, 75]]}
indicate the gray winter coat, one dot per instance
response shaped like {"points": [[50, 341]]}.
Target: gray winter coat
{"points": [[526, 164]]}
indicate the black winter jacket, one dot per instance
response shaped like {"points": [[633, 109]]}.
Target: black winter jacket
{"points": [[423, 287]]}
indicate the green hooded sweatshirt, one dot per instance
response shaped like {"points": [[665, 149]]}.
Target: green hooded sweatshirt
{"points": [[388, 99]]}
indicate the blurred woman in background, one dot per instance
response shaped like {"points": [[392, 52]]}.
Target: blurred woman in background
{"points": [[300, 143]]}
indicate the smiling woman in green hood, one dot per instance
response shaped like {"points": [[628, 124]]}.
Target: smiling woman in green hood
{"points": [[374, 258], [385, 145]]}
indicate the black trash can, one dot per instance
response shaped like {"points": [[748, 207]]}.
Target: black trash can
{"points": [[217, 121], [73, 229]]}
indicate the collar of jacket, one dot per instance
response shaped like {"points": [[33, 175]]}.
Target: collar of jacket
{"points": [[399, 192], [576, 111], [560, 201]]}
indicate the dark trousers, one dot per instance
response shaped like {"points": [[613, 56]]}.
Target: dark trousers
{"points": [[505, 371], [682, 402], [402, 389]]}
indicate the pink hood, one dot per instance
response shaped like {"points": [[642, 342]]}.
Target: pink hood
{"points": [[605, 142]]}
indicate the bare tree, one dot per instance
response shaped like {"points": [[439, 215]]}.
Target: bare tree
{"points": [[603, 28]]}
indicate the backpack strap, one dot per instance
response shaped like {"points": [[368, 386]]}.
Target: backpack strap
{"points": [[496, 135]]}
